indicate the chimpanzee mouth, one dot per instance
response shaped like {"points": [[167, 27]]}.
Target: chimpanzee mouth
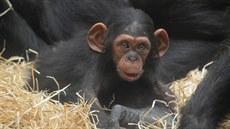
{"points": [[132, 76], [129, 76]]}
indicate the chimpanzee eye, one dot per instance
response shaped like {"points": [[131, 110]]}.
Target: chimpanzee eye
{"points": [[141, 47], [124, 44]]}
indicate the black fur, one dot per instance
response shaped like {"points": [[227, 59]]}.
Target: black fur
{"points": [[16, 35], [210, 103]]}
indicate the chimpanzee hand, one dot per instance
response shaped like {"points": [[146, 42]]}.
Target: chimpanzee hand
{"points": [[122, 115]]}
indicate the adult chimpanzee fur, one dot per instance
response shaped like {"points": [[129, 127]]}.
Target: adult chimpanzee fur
{"points": [[15, 33], [210, 103]]}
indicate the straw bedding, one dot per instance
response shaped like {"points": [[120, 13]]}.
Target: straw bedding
{"points": [[20, 108]]}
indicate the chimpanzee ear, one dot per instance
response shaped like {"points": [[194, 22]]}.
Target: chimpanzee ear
{"points": [[162, 41], [96, 37]]}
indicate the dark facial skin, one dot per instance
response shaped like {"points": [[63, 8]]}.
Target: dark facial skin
{"points": [[129, 55]]}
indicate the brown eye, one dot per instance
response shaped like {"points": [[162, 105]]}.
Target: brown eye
{"points": [[124, 45], [141, 47]]}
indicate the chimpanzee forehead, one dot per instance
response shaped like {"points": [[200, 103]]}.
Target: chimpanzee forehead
{"points": [[136, 29]]}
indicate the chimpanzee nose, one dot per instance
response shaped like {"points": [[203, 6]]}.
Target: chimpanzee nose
{"points": [[133, 56]]}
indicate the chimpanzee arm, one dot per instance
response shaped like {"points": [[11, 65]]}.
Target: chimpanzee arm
{"points": [[210, 102], [122, 115]]}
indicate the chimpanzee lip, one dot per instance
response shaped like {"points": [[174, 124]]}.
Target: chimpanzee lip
{"points": [[131, 74]]}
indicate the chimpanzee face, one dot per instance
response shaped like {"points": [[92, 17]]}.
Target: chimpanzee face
{"points": [[130, 48], [129, 55]]}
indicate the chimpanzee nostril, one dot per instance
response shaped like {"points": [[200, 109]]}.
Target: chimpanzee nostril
{"points": [[132, 58]]}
